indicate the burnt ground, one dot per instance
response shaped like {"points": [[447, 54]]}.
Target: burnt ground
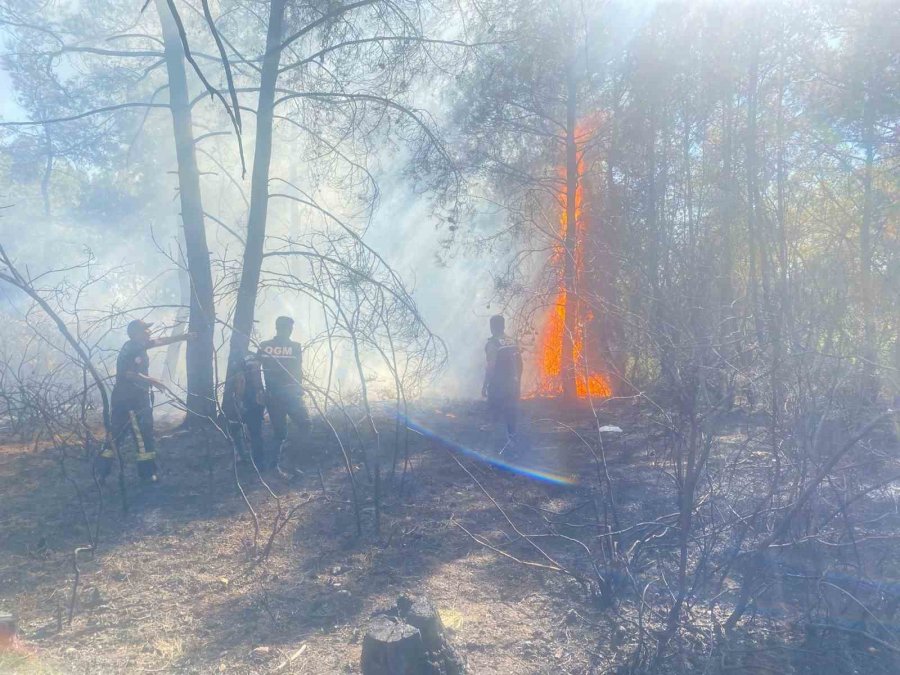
{"points": [[177, 585]]}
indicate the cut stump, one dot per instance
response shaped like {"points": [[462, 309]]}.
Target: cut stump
{"points": [[392, 648], [409, 639]]}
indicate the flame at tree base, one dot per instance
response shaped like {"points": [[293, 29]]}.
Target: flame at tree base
{"points": [[588, 384], [592, 386]]}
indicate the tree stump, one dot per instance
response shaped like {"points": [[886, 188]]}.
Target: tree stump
{"points": [[409, 639], [424, 615], [392, 648]]}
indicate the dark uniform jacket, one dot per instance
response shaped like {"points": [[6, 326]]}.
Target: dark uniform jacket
{"points": [[504, 363], [244, 389], [129, 391], [282, 364]]}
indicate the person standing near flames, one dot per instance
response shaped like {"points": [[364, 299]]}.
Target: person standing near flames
{"points": [[131, 405], [282, 365], [503, 375]]}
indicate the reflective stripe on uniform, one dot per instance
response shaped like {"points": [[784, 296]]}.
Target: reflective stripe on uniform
{"points": [[142, 454]]}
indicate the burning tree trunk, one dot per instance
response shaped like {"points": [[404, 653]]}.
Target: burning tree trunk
{"points": [[569, 292], [565, 353], [200, 380]]}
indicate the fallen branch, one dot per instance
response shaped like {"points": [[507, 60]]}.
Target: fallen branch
{"points": [[289, 660]]}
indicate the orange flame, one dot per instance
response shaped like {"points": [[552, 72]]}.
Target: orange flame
{"points": [[553, 332]]}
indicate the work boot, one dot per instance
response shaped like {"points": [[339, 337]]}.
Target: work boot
{"points": [[276, 461], [147, 473], [102, 468]]}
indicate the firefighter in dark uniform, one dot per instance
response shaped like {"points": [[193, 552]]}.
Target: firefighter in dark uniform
{"points": [[131, 406], [244, 403], [503, 375], [281, 360]]}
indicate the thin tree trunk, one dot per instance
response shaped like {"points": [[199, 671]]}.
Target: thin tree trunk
{"points": [[729, 302], [753, 224], [259, 189], [571, 239], [865, 249], [48, 171], [199, 353], [779, 312], [611, 334], [787, 310], [657, 244]]}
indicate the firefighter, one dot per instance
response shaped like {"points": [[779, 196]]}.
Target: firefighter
{"points": [[281, 360], [502, 376], [132, 409], [244, 403]]}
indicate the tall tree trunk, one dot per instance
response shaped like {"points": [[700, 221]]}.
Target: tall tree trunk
{"points": [[752, 169], [611, 334], [571, 238], [656, 244], [865, 250], [200, 353], [729, 301], [259, 187], [787, 307], [781, 312]]}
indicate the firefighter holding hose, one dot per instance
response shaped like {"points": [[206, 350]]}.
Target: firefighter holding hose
{"points": [[131, 406]]}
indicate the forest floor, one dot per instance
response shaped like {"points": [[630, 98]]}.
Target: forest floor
{"points": [[177, 585]]}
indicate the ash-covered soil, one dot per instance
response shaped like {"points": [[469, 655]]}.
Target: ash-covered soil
{"points": [[177, 584]]}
